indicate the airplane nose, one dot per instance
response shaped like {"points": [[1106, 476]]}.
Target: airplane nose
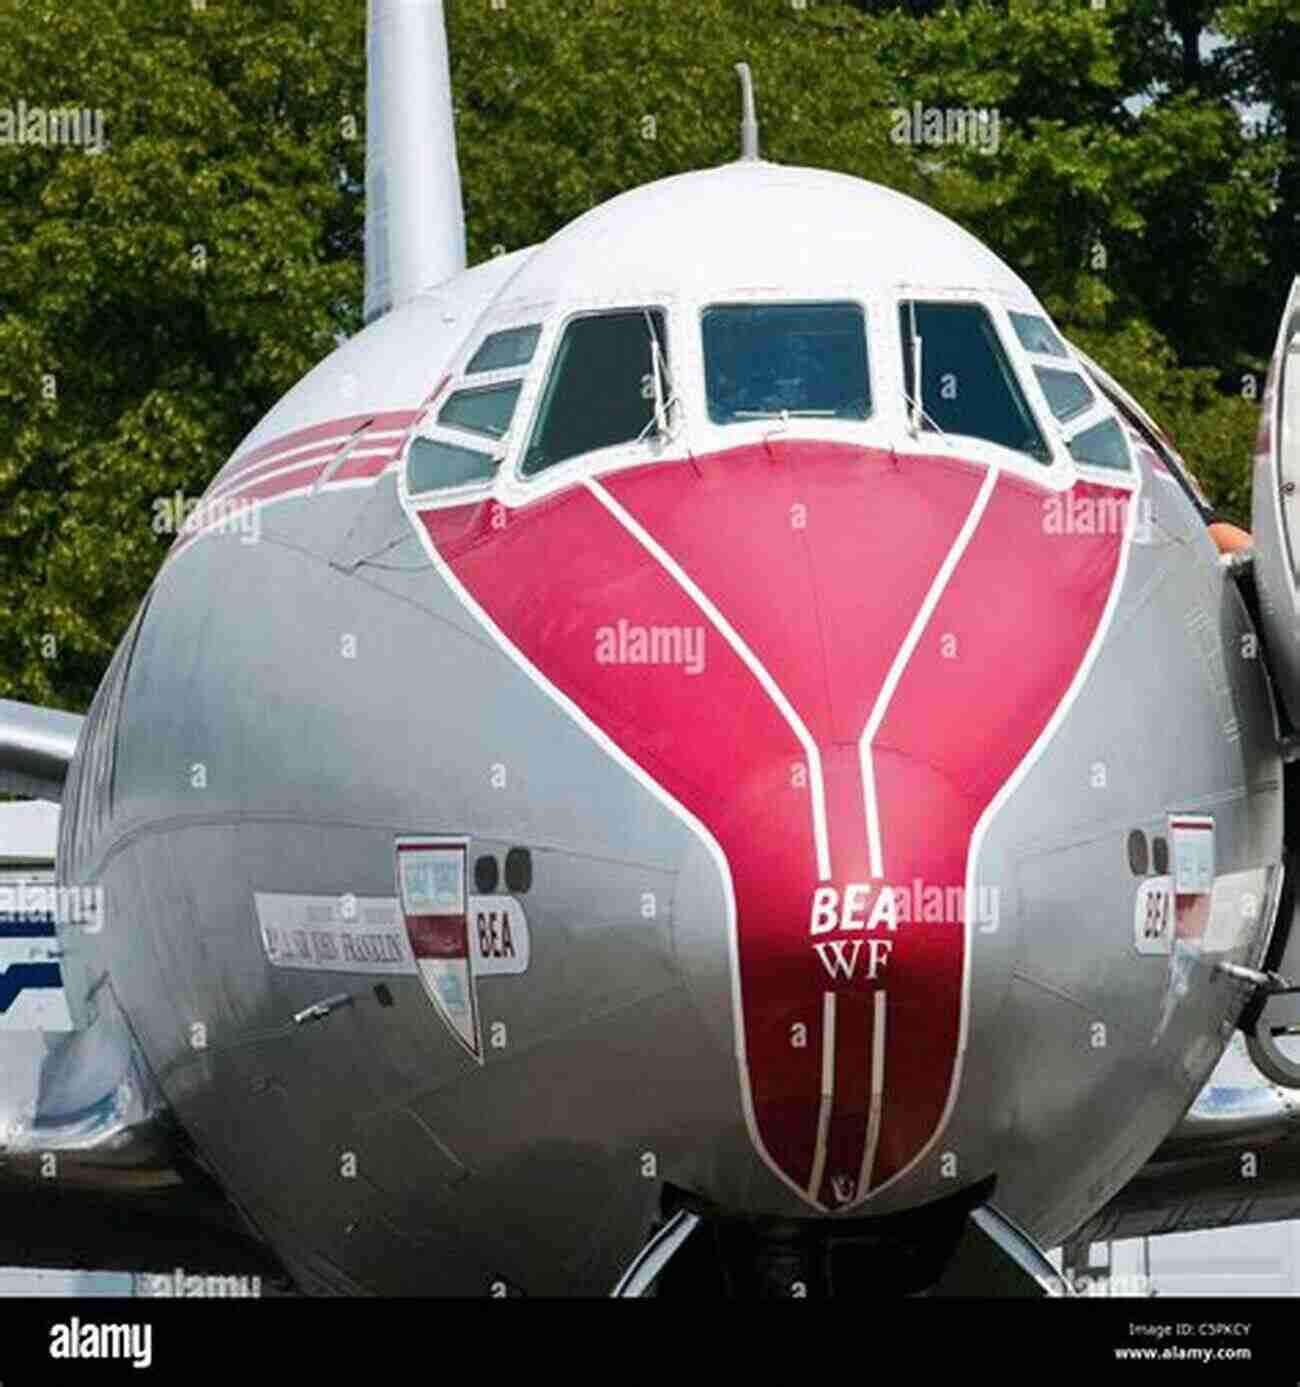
{"points": [[844, 995], [829, 663]]}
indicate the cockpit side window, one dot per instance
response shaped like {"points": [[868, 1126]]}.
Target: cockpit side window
{"points": [[480, 412], [763, 360], [1173, 465], [1037, 336], [1067, 392], [1102, 445], [487, 410], [501, 351], [435, 465], [601, 388], [968, 385]]}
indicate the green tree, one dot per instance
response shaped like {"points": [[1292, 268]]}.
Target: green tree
{"points": [[159, 296]]}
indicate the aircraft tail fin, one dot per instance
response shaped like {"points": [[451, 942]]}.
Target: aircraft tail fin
{"points": [[415, 220]]}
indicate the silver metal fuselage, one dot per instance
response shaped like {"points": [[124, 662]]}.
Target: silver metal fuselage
{"points": [[284, 711]]}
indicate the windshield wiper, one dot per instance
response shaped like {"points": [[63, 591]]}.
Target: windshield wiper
{"points": [[926, 415], [664, 399], [784, 414]]}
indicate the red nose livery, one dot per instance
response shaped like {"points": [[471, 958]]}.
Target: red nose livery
{"points": [[752, 668]]}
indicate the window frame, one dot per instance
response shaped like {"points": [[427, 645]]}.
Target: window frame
{"points": [[1134, 419], [459, 379], [1096, 419], [484, 388], [1062, 433], [500, 330], [459, 489], [1014, 313], [526, 485], [761, 300], [1066, 421], [1056, 471], [886, 426], [1098, 412]]}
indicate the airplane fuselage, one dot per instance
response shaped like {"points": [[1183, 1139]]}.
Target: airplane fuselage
{"points": [[838, 816]]}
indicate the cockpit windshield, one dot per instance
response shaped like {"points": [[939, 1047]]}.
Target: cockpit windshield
{"points": [[762, 360], [967, 383], [601, 390]]}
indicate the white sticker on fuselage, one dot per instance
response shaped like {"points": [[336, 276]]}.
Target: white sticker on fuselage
{"points": [[498, 935], [1153, 916], [1226, 923], [1237, 911], [333, 934], [366, 934], [1191, 850]]}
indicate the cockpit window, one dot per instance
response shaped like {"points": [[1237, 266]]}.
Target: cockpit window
{"points": [[1102, 445], [601, 387], [432, 465], [488, 410], [767, 359], [1173, 464], [1067, 392], [501, 351], [968, 386], [1036, 335]]}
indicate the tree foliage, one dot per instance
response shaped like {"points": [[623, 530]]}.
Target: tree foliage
{"points": [[158, 296]]}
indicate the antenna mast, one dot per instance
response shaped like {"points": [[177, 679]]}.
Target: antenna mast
{"points": [[748, 117]]}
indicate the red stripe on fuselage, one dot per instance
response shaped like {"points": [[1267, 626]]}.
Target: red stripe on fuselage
{"points": [[820, 556], [314, 433], [565, 582], [1000, 651], [840, 546]]}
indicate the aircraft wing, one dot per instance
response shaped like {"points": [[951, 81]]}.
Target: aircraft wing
{"points": [[36, 747], [1233, 1160], [95, 1174]]}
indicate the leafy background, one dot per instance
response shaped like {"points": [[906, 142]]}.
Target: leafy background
{"points": [[158, 297]]}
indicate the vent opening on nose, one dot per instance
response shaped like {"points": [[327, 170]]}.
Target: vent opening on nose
{"points": [[1138, 856], [487, 875], [519, 870]]}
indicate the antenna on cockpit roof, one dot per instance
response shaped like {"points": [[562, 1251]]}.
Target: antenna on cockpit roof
{"points": [[748, 118]]}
